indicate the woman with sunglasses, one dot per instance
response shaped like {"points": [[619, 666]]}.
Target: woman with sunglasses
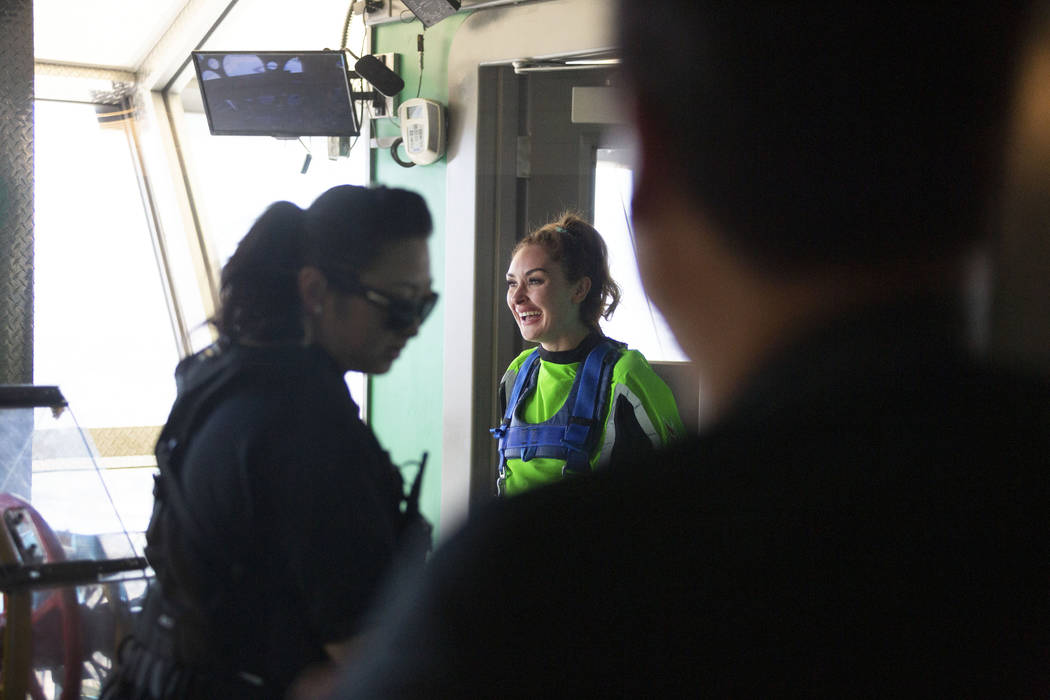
{"points": [[579, 398], [277, 513]]}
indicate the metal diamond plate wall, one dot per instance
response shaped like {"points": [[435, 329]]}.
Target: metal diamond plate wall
{"points": [[16, 192]]}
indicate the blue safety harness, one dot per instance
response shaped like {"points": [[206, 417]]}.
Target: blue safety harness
{"points": [[572, 433]]}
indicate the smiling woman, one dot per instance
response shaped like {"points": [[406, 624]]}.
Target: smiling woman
{"points": [[569, 404]]}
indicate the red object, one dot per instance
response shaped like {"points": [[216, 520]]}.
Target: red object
{"points": [[56, 617]]}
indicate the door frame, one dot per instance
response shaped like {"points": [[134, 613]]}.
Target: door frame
{"points": [[473, 253]]}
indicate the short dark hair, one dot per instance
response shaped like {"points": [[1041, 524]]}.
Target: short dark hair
{"points": [[581, 251], [347, 227], [831, 131]]}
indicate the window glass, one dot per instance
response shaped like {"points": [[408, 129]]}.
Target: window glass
{"points": [[236, 177], [102, 330], [636, 321]]}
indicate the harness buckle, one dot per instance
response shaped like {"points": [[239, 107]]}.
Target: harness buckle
{"points": [[500, 431]]}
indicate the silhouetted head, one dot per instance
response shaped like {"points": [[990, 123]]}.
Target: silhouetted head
{"points": [[828, 132]]}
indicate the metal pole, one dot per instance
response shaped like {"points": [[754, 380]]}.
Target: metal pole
{"points": [[16, 192]]}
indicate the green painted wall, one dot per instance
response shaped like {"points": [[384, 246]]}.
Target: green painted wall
{"points": [[405, 405]]}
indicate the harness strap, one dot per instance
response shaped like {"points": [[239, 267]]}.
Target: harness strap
{"points": [[501, 432], [519, 384], [524, 436], [584, 417], [185, 416], [172, 630]]}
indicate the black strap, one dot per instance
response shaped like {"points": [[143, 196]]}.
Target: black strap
{"points": [[170, 645], [193, 404]]}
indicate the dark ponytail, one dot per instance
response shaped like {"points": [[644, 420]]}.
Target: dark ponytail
{"points": [[582, 253], [259, 287], [346, 228]]}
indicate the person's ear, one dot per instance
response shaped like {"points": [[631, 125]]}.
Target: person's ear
{"points": [[313, 286], [581, 289]]}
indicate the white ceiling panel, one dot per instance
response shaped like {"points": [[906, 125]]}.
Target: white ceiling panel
{"points": [[108, 33]]}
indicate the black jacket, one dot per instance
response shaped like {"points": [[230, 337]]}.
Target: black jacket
{"points": [[870, 519], [277, 517]]}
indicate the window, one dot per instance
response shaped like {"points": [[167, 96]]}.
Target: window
{"points": [[237, 177], [102, 329], [636, 321]]}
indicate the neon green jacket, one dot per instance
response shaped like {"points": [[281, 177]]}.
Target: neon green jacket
{"points": [[640, 411]]}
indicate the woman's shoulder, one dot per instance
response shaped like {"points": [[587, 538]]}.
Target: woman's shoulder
{"points": [[631, 361], [287, 374], [518, 361], [632, 367], [304, 392]]}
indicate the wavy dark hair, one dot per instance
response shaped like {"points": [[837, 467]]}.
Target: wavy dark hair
{"points": [[346, 228], [582, 252]]}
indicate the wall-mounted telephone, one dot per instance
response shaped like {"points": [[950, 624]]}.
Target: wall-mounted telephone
{"points": [[423, 131]]}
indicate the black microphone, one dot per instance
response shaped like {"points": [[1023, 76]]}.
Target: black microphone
{"points": [[382, 78]]}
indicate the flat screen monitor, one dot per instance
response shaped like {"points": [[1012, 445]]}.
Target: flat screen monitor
{"points": [[276, 93]]}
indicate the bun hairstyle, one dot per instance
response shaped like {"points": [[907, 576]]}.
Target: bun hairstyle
{"points": [[581, 251], [346, 228]]}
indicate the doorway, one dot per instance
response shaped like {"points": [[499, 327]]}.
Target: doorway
{"points": [[550, 140]]}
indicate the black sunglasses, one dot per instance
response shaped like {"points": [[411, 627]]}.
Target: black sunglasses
{"points": [[400, 313]]}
